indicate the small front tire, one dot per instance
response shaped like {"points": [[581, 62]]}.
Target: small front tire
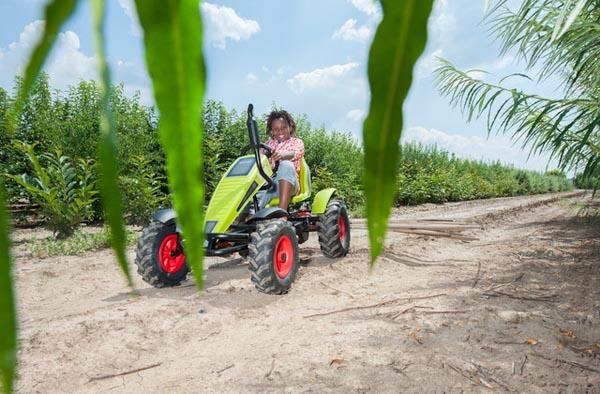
{"points": [[159, 257]]}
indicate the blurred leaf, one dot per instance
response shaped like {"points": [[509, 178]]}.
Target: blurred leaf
{"points": [[107, 149], [531, 341], [8, 321], [399, 41], [55, 15], [173, 41]]}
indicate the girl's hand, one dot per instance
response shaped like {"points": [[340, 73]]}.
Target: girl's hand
{"points": [[276, 156]]}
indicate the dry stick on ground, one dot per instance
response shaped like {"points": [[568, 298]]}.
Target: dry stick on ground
{"points": [[477, 275], [225, 369], [383, 303], [568, 362], [463, 373], [338, 290], [523, 365], [548, 298], [123, 373]]}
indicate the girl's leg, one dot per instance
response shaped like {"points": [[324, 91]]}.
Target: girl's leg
{"points": [[285, 191]]}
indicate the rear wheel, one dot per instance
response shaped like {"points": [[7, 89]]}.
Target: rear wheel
{"points": [[334, 230], [159, 257], [273, 256]]}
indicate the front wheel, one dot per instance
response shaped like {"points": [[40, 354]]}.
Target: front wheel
{"points": [[273, 256], [334, 230], [159, 257]]}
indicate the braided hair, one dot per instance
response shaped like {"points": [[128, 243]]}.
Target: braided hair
{"points": [[280, 115]]}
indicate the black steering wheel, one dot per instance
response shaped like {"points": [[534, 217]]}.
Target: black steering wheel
{"points": [[268, 150]]}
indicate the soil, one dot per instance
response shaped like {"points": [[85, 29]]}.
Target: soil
{"points": [[516, 310]]}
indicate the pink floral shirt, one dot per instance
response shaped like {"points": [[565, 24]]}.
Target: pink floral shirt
{"points": [[294, 144]]}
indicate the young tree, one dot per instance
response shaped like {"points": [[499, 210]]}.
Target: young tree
{"points": [[553, 37]]}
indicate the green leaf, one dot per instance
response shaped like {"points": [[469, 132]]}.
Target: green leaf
{"points": [[8, 320], [56, 13], [107, 149], [399, 41], [173, 41]]}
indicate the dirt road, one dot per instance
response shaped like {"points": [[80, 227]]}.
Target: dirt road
{"points": [[516, 310]]}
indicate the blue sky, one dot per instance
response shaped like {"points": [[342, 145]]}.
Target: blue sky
{"points": [[307, 56]]}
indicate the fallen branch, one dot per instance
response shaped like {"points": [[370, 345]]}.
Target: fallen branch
{"points": [[568, 362], [338, 290], [123, 373], [383, 303], [225, 369], [477, 275], [548, 298]]}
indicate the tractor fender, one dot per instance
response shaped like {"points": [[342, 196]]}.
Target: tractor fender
{"points": [[321, 200], [164, 216], [269, 213]]}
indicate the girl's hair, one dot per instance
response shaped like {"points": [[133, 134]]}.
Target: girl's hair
{"points": [[283, 115]]}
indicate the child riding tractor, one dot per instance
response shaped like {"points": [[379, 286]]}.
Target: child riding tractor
{"points": [[239, 219]]}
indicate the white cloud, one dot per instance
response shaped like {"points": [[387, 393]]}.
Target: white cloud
{"points": [[356, 115], [66, 65], [369, 7], [428, 63], [498, 65], [251, 78], [349, 32], [442, 23], [321, 78], [222, 23], [128, 7], [477, 148]]}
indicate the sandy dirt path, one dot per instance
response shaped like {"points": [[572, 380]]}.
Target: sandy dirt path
{"points": [[516, 310]]}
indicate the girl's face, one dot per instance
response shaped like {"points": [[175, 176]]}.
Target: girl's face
{"points": [[281, 130]]}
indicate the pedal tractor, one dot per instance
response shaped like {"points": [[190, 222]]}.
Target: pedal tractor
{"points": [[237, 220]]}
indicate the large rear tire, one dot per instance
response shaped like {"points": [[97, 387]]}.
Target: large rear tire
{"points": [[334, 230], [159, 257], [273, 256]]}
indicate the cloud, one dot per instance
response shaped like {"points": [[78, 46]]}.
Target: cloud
{"points": [[320, 78], [442, 23], [251, 78], [428, 63], [128, 7], [496, 148], [356, 115], [498, 65], [349, 32], [66, 65], [222, 23], [369, 7]]}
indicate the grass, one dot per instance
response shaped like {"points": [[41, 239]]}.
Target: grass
{"points": [[78, 244]]}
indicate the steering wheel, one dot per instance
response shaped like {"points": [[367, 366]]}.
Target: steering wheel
{"points": [[268, 150]]}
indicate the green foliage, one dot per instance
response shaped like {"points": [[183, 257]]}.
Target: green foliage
{"points": [[77, 244], [8, 316], [64, 188], [142, 191], [398, 43], [173, 43]]}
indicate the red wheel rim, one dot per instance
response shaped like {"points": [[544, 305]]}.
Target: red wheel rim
{"points": [[283, 256], [342, 227], [170, 254]]}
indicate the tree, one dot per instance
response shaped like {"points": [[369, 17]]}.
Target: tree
{"points": [[553, 37]]}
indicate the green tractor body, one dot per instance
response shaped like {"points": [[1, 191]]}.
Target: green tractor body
{"points": [[239, 220]]}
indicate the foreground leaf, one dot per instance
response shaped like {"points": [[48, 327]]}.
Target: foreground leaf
{"points": [[8, 321], [55, 15], [173, 41], [107, 149], [399, 41]]}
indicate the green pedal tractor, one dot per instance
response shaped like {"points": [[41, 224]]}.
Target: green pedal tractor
{"points": [[238, 220]]}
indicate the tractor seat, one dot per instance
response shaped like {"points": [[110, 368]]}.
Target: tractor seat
{"points": [[305, 186]]}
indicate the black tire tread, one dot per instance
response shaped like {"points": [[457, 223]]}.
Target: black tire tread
{"points": [[260, 256], [328, 230], [145, 259]]}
